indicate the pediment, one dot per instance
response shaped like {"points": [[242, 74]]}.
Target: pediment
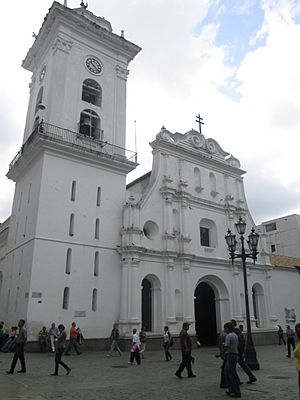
{"points": [[197, 141]]}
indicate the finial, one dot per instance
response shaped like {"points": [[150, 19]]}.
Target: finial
{"points": [[122, 33], [84, 6], [65, 3], [200, 122]]}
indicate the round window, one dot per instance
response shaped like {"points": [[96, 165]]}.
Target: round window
{"points": [[151, 230]]}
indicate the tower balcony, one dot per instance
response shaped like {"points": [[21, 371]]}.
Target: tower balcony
{"points": [[80, 142]]}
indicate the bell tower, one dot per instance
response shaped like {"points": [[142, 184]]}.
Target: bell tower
{"points": [[79, 73], [70, 174]]}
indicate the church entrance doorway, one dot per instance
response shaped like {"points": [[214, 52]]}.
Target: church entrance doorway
{"points": [[205, 314], [147, 305]]}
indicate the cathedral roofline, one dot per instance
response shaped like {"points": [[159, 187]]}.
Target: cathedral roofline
{"points": [[95, 27], [138, 180]]}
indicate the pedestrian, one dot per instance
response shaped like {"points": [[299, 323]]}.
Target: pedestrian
{"points": [[297, 356], [186, 352], [167, 343], [19, 351], [221, 344], [52, 334], [43, 336], [135, 348], [280, 336], [80, 338], [230, 350], [143, 340], [10, 344], [241, 350], [60, 345], [73, 341], [114, 338], [290, 340]]}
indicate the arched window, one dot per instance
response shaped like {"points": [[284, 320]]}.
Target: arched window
{"points": [[94, 300], [197, 178], [89, 124], [68, 261], [39, 99], [96, 264], [208, 233], [91, 92], [66, 296], [213, 184]]}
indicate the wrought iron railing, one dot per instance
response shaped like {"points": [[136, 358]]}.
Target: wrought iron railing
{"points": [[76, 139]]}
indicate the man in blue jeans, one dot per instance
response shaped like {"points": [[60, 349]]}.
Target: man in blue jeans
{"points": [[230, 351]]}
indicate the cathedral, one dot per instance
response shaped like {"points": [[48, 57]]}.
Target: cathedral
{"points": [[81, 245]]}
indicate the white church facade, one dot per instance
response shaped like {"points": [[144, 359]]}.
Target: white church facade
{"points": [[82, 246]]}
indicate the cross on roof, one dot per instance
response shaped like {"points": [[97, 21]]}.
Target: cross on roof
{"points": [[199, 120]]}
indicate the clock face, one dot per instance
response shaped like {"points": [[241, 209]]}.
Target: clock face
{"points": [[93, 65], [43, 73]]}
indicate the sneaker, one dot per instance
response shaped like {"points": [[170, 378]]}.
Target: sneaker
{"points": [[22, 371], [192, 376], [69, 371], [235, 395], [252, 380], [130, 363], [54, 374], [178, 375], [10, 372]]}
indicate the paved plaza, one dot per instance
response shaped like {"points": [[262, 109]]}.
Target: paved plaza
{"points": [[96, 377]]}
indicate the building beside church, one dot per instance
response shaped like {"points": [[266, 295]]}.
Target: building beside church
{"points": [[81, 245], [283, 235]]}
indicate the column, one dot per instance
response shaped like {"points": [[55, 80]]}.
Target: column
{"points": [[170, 295], [125, 290], [135, 293], [269, 298], [188, 294], [237, 307]]}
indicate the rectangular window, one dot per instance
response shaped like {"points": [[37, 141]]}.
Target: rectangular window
{"points": [[98, 196], [96, 264], [29, 193], [273, 248], [68, 261], [71, 227], [204, 236], [73, 190], [94, 300], [25, 227], [66, 296], [97, 228], [271, 227]]}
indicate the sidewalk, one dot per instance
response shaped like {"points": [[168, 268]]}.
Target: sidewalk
{"points": [[97, 377]]}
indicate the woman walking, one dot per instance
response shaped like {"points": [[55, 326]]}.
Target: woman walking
{"points": [[60, 346], [167, 343]]}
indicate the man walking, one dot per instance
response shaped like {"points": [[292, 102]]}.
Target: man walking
{"points": [[114, 338], [19, 352], [186, 350], [73, 340], [241, 349], [230, 351], [290, 340]]}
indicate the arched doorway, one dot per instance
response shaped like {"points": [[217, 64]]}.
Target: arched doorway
{"points": [[259, 307], [205, 314], [147, 305]]}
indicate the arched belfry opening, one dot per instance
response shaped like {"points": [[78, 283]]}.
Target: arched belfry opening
{"points": [[205, 314], [147, 305]]}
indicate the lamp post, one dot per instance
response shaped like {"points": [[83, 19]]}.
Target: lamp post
{"points": [[252, 241]]}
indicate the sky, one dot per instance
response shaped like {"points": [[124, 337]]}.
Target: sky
{"points": [[236, 62]]}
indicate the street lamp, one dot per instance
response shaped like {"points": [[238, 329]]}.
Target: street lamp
{"points": [[252, 241]]}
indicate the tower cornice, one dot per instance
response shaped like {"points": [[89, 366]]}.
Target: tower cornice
{"points": [[71, 18]]}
